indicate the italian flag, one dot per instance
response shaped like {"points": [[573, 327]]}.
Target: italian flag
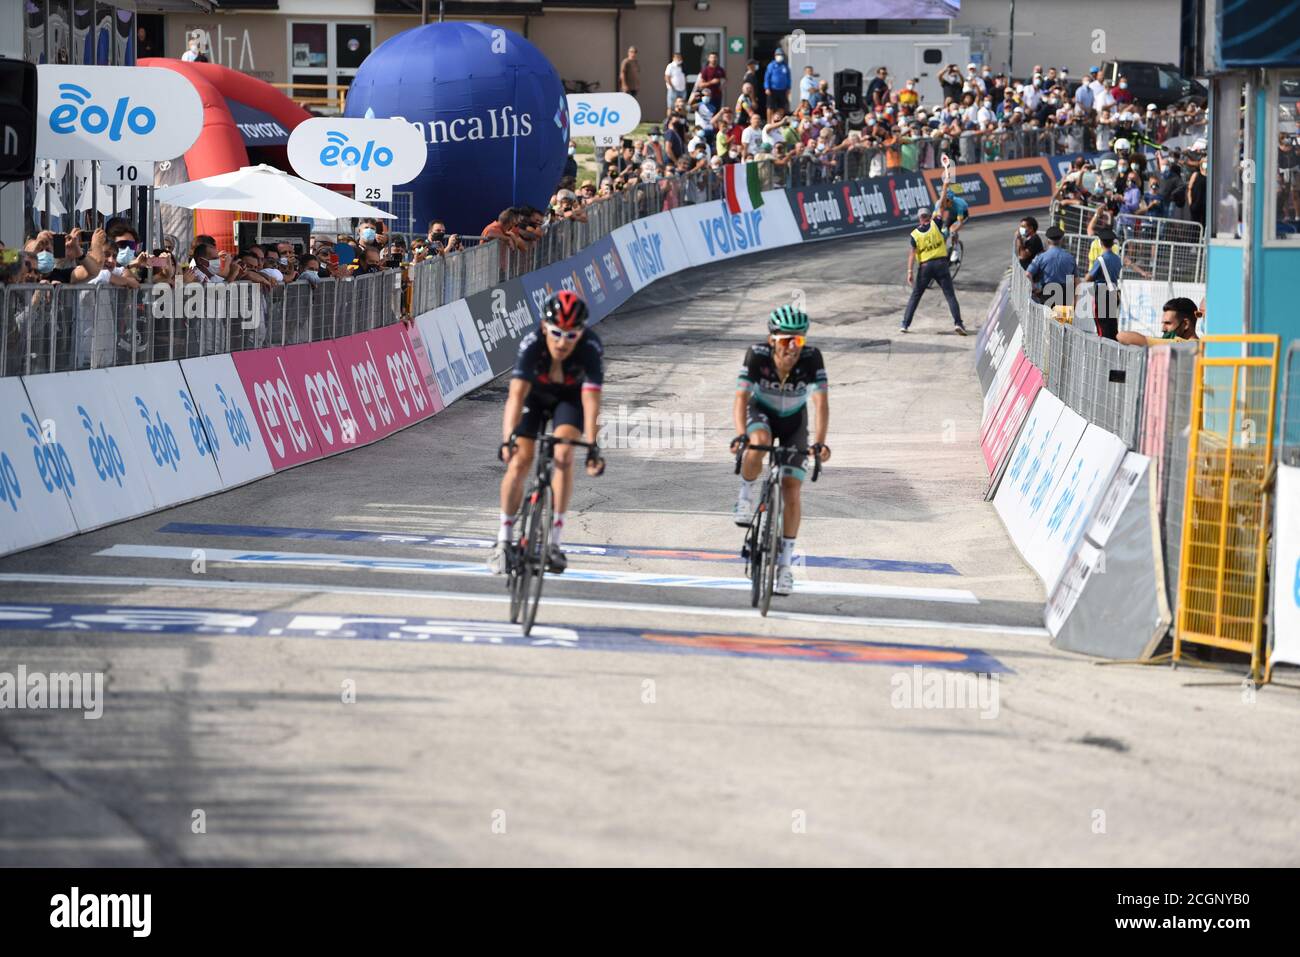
{"points": [[743, 189]]}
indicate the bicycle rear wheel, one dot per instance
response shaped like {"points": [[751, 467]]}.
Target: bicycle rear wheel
{"points": [[772, 549], [539, 544]]}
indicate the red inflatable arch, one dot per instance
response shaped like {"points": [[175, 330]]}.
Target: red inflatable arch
{"points": [[220, 147]]}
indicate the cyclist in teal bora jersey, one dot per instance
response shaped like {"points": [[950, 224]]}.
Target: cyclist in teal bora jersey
{"points": [[779, 379], [951, 211]]}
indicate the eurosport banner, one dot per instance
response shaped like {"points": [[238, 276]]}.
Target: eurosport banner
{"points": [[1072, 501], [1286, 571], [1001, 187], [1010, 409], [860, 206], [79, 416], [710, 233], [279, 406], [650, 249], [359, 388], [459, 362], [1026, 181], [163, 424], [37, 480], [229, 418], [501, 317], [596, 274]]}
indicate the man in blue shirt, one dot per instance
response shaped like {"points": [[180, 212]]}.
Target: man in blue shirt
{"points": [[776, 85], [1052, 269], [1104, 276]]}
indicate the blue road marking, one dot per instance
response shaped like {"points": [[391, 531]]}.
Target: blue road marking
{"points": [[209, 622], [610, 551]]}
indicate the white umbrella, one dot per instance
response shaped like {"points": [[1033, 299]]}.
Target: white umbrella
{"points": [[265, 189]]}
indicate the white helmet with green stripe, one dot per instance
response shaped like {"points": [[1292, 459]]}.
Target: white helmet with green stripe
{"points": [[787, 320]]}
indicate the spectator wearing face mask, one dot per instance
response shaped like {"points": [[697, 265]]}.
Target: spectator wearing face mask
{"points": [[1028, 243], [1177, 324], [908, 95], [776, 85], [950, 80], [1120, 92]]}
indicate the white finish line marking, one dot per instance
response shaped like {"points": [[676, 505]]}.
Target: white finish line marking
{"points": [[132, 581], [427, 567]]}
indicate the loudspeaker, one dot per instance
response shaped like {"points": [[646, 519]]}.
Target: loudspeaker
{"points": [[848, 91], [17, 120]]}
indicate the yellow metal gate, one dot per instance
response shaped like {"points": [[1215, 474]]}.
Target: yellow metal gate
{"points": [[1221, 580]]}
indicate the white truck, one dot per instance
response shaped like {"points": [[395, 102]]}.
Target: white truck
{"points": [[923, 56]]}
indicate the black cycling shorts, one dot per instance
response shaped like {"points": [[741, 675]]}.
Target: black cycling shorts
{"points": [[787, 431], [558, 410]]}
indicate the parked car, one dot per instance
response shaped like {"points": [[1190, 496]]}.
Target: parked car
{"points": [[1158, 83]]}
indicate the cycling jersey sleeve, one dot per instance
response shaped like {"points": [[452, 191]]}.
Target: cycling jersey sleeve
{"points": [[747, 381], [527, 361], [816, 365], [593, 363]]}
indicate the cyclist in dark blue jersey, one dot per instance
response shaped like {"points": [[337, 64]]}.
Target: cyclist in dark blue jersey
{"points": [[557, 378], [779, 379]]}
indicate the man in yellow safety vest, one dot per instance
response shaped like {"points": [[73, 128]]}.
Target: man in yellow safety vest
{"points": [[930, 250]]}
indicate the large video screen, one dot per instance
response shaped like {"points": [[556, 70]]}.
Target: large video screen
{"points": [[874, 9]]}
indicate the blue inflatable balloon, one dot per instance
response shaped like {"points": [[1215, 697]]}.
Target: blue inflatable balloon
{"points": [[492, 111]]}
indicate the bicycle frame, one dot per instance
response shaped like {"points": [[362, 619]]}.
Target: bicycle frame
{"points": [[763, 536], [527, 556]]}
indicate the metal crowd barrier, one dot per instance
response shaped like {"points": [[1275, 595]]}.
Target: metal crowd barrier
{"points": [[60, 328]]}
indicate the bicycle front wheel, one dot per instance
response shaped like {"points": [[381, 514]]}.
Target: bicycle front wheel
{"points": [[516, 566], [772, 549], [539, 546]]}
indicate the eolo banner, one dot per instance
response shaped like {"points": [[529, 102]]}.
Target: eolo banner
{"points": [[130, 113]]}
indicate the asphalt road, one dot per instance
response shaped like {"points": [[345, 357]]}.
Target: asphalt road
{"points": [[313, 669]]}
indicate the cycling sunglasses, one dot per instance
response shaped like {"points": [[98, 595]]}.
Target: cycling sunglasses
{"points": [[558, 333], [785, 342], [127, 244]]}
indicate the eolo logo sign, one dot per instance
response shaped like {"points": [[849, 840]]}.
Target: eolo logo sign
{"points": [[355, 149], [118, 113]]}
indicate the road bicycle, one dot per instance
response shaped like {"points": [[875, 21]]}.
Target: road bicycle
{"points": [[763, 537], [955, 251], [526, 557]]}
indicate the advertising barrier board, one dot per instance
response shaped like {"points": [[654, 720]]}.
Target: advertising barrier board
{"points": [[459, 362], [596, 274], [279, 405], [163, 423], [502, 316], [359, 388], [830, 210], [80, 414], [37, 479], [710, 233], [650, 249], [1001, 187], [1072, 501], [1010, 409], [228, 416]]}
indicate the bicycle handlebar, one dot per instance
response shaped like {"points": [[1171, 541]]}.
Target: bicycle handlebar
{"points": [[803, 454]]}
